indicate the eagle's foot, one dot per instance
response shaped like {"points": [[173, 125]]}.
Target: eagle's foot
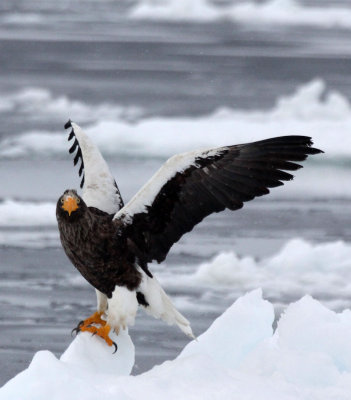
{"points": [[102, 331], [93, 319]]}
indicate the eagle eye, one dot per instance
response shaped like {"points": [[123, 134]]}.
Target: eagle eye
{"points": [[62, 200], [78, 200]]}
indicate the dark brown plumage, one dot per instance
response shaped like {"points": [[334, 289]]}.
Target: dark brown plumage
{"points": [[89, 239]]}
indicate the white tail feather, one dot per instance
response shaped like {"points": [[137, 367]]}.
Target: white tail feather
{"points": [[160, 305]]}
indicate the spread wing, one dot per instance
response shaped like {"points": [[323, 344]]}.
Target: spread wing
{"points": [[99, 187], [190, 186]]}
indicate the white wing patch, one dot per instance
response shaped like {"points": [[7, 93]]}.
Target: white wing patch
{"points": [[146, 195], [99, 188]]}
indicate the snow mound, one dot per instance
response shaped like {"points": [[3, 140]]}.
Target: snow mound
{"points": [[310, 349], [272, 12], [230, 346], [94, 356], [310, 110], [82, 371], [239, 356]]}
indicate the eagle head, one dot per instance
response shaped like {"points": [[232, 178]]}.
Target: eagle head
{"points": [[70, 205]]}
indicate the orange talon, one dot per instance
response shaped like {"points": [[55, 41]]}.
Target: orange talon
{"points": [[102, 332], [89, 325], [95, 319], [92, 320]]}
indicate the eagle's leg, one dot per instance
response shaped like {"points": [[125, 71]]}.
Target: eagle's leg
{"points": [[93, 319], [122, 308], [102, 331]]}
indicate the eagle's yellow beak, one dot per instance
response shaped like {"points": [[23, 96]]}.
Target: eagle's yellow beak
{"points": [[70, 205]]}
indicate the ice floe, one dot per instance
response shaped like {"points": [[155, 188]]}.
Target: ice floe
{"points": [[239, 356], [35, 101], [26, 213], [271, 12], [311, 110], [298, 263]]}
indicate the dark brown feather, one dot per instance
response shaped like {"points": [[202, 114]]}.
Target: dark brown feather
{"points": [[91, 242]]}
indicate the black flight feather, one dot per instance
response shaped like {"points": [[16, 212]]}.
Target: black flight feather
{"points": [[73, 147], [227, 179], [68, 124], [77, 156], [71, 135]]}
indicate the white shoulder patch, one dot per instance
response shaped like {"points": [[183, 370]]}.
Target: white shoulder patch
{"points": [[146, 195]]}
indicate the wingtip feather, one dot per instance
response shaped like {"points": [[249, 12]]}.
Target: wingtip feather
{"points": [[68, 124]]}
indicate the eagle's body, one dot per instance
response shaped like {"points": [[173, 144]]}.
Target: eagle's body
{"points": [[111, 263], [97, 251], [111, 243]]}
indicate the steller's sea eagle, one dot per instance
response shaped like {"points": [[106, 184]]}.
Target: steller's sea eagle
{"points": [[111, 243]]}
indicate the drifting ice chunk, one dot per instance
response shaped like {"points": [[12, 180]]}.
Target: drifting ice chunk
{"points": [[308, 357]]}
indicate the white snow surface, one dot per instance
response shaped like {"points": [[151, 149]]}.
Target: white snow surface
{"points": [[311, 110], [268, 12], [238, 357]]}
